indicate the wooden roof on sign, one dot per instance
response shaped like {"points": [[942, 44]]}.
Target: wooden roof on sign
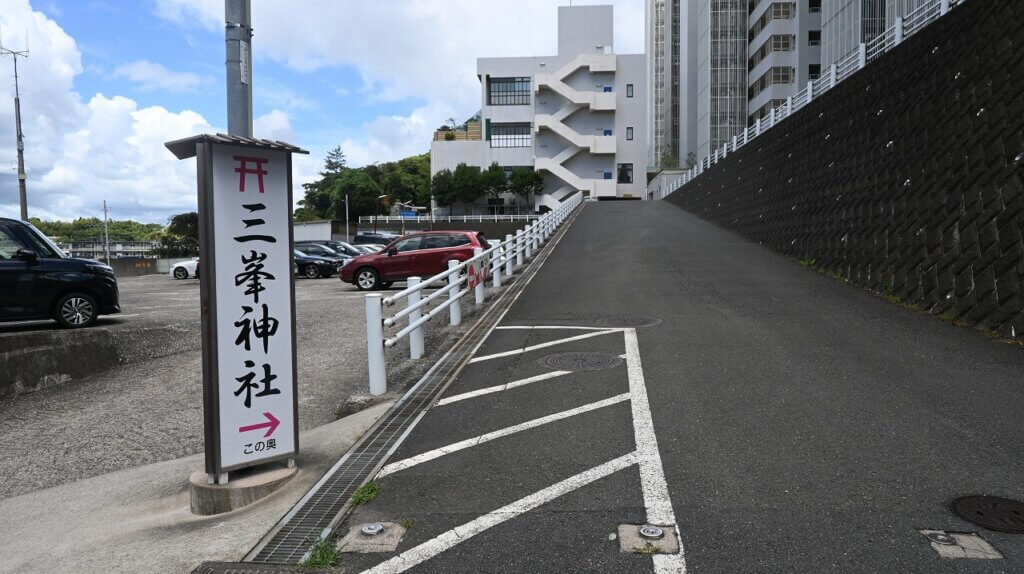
{"points": [[186, 148]]}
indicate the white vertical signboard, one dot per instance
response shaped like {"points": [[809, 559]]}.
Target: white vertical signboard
{"points": [[252, 306]]}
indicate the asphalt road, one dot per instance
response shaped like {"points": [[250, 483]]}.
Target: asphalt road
{"points": [[801, 424]]}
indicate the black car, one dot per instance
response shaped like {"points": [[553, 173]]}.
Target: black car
{"points": [[317, 250], [313, 266], [39, 281], [365, 238], [343, 249]]}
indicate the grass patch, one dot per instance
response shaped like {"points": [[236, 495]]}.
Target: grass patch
{"points": [[646, 549], [322, 554], [406, 524], [808, 262], [366, 494]]}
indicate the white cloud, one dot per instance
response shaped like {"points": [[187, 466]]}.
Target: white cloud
{"points": [[79, 153], [275, 125], [152, 76], [418, 51]]}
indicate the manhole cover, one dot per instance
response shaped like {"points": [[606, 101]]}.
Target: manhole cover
{"points": [[992, 512], [584, 361], [628, 321]]}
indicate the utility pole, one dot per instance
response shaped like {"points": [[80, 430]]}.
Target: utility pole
{"points": [[238, 44], [22, 194], [348, 238], [106, 233]]}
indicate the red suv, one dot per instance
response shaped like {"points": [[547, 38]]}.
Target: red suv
{"points": [[420, 254]]}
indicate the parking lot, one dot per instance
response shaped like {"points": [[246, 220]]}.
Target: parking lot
{"points": [[149, 408]]}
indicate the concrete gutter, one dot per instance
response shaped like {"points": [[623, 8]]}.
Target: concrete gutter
{"points": [[138, 520]]}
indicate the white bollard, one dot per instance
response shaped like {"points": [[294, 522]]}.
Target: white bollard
{"points": [[478, 289], [509, 247], [519, 247], [455, 309], [496, 272], [416, 336], [375, 343], [528, 236]]}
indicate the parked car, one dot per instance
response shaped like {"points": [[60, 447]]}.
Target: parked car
{"points": [[314, 266], [186, 269], [39, 281], [368, 248], [317, 250], [422, 254], [366, 237], [340, 247]]}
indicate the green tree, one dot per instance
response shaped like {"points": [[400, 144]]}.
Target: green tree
{"points": [[443, 188], [466, 181], [184, 225], [493, 182], [525, 182], [362, 193]]}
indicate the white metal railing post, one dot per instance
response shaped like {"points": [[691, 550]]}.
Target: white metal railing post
{"points": [[375, 343], [832, 76], [898, 36], [478, 289], [510, 248], [519, 247], [810, 90], [455, 309], [789, 105], [496, 269], [528, 241], [416, 335], [757, 126], [943, 7]]}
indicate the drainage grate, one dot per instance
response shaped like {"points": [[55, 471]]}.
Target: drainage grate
{"points": [[583, 361], [992, 512], [324, 505], [235, 568], [628, 321]]}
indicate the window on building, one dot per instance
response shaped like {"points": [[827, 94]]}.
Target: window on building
{"points": [[508, 91], [625, 172], [813, 71], [629, 90], [814, 37], [629, 132], [510, 135], [776, 75], [777, 11], [814, 6]]}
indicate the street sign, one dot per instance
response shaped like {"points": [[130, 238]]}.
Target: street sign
{"points": [[247, 296]]}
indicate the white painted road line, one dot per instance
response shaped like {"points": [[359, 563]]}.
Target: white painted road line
{"points": [[439, 452], [448, 540], [499, 388], [549, 327], [543, 345], [652, 476]]}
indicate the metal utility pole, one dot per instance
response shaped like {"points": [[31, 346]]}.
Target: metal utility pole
{"points": [[22, 194], [238, 43], [106, 233], [348, 238]]}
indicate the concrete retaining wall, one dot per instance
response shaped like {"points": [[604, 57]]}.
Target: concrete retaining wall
{"points": [[907, 178]]}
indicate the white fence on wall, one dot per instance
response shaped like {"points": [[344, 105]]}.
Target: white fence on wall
{"points": [[446, 218], [841, 70]]}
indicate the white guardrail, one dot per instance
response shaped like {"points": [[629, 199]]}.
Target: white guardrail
{"points": [[844, 68], [447, 218], [493, 263]]}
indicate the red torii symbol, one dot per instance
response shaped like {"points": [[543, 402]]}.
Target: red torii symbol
{"points": [[243, 169]]}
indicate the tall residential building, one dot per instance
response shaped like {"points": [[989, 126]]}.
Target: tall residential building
{"points": [[784, 53], [845, 24], [578, 117], [672, 55]]}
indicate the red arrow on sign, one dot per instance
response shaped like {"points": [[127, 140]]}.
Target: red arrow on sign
{"points": [[271, 425]]}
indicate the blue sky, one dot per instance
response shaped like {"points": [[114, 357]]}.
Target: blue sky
{"points": [[108, 81]]}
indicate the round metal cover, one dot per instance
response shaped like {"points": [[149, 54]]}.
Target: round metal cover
{"points": [[652, 532], [992, 512], [629, 321], [581, 361], [372, 529]]}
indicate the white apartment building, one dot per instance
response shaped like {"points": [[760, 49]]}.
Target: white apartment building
{"points": [[784, 52], [847, 23], [578, 117]]}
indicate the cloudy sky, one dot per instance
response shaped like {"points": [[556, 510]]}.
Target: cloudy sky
{"points": [[108, 81]]}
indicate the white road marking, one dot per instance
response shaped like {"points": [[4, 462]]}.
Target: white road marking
{"points": [[450, 539], [550, 327], [499, 388], [439, 452], [543, 345], [652, 476]]}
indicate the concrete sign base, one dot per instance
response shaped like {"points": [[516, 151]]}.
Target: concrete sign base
{"points": [[243, 490]]}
